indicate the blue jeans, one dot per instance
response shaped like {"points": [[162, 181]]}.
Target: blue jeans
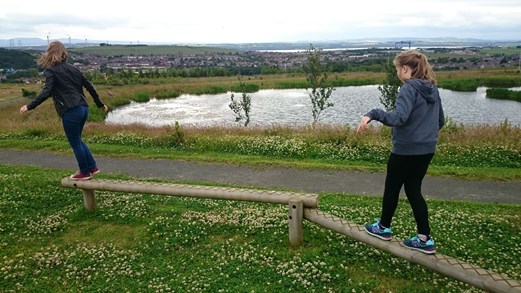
{"points": [[73, 122]]}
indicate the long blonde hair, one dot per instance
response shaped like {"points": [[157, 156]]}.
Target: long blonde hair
{"points": [[421, 69], [55, 54]]}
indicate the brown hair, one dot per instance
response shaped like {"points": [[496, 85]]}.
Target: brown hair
{"points": [[421, 69], [55, 54]]}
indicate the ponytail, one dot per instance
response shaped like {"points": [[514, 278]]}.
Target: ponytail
{"points": [[421, 69]]}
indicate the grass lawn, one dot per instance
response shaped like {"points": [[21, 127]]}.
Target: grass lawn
{"points": [[137, 243]]}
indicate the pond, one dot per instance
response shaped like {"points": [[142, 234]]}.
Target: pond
{"points": [[293, 107]]}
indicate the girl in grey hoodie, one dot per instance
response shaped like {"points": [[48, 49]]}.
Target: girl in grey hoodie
{"points": [[415, 121]]}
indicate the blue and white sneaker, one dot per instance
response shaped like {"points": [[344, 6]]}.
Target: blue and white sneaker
{"points": [[428, 247], [376, 231]]}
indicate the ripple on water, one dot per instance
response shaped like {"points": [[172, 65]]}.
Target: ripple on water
{"points": [[293, 107]]}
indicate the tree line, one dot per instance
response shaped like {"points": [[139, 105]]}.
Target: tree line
{"points": [[16, 59]]}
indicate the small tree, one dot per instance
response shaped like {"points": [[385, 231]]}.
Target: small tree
{"points": [[178, 135], [317, 79], [241, 108], [390, 87]]}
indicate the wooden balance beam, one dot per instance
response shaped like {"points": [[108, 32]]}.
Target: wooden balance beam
{"points": [[296, 201], [304, 206], [446, 265]]}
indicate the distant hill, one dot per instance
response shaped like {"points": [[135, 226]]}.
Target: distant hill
{"points": [[371, 43], [144, 50], [16, 59], [41, 44], [22, 42]]}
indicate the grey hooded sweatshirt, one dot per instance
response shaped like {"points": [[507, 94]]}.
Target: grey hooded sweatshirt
{"points": [[415, 120]]}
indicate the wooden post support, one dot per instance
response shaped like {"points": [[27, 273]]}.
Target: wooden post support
{"points": [[89, 199], [296, 218]]}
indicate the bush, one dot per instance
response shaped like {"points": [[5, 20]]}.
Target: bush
{"points": [[96, 114], [141, 97], [210, 90], [504, 94], [178, 136], [459, 85], [28, 93], [167, 94], [500, 82]]}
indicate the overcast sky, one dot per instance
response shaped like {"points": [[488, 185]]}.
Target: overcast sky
{"points": [[242, 21]]}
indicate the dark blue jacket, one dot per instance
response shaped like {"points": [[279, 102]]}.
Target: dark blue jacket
{"points": [[416, 119], [64, 82]]}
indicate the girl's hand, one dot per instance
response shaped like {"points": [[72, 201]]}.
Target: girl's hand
{"points": [[105, 108], [23, 109], [363, 124]]}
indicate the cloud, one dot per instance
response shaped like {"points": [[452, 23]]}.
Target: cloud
{"points": [[208, 21]]}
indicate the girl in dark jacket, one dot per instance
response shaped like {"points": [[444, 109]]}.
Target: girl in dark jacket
{"points": [[415, 121], [65, 84]]}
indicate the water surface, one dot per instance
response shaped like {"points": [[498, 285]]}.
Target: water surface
{"points": [[293, 107]]}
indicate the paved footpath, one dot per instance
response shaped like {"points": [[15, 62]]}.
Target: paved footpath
{"points": [[303, 180]]}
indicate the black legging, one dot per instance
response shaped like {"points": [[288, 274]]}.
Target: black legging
{"points": [[409, 172]]}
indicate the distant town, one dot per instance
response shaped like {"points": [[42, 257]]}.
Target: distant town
{"points": [[276, 58], [285, 61]]}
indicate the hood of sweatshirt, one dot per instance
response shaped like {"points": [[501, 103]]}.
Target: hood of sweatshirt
{"points": [[426, 89]]}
